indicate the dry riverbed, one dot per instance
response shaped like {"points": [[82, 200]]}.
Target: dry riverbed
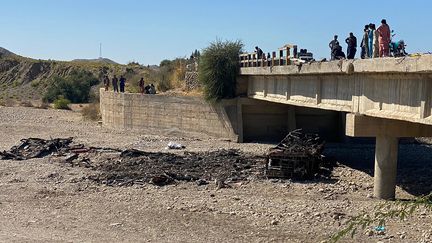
{"points": [[44, 200]]}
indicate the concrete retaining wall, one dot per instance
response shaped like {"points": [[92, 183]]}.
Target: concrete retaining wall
{"points": [[168, 115], [240, 119]]}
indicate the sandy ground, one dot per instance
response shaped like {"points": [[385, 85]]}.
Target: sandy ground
{"points": [[42, 200]]}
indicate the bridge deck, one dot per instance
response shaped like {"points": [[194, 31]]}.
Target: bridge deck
{"points": [[394, 88]]}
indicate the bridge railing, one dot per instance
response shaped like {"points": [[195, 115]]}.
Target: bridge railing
{"points": [[281, 57]]}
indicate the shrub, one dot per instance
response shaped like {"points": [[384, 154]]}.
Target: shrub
{"points": [[91, 112], [75, 87], [163, 82], [26, 103], [43, 105], [16, 83], [35, 83], [62, 103], [218, 69]]}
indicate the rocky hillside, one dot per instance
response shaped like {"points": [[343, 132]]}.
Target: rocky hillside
{"points": [[98, 60], [5, 53], [24, 79]]}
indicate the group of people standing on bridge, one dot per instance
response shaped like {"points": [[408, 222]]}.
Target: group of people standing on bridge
{"points": [[375, 43]]}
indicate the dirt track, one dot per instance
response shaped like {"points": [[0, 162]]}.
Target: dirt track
{"points": [[43, 200]]}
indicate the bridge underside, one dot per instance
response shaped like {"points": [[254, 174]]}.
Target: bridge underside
{"points": [[382, 98], [393, 96]]}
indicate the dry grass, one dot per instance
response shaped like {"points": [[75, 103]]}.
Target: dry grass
{"points": [[26, 103], [91, 112]]}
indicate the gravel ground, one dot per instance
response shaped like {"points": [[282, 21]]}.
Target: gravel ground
{"points": [[42, 200]]}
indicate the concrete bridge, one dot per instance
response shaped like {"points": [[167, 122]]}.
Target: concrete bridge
{"points": [[386, 98]]}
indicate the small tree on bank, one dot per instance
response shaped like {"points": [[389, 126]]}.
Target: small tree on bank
{"points": [[75, 87], [218, 69]]}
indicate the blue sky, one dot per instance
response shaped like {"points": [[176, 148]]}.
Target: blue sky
{"points": [[149, 31]]}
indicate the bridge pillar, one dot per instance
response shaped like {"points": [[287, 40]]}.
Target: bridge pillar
{"points": [[387, 133], [386, 153]]}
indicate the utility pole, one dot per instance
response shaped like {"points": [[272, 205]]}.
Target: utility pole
{"points": [[100, 50]]}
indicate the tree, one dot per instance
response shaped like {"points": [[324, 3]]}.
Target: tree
{"points": [[218, 69], [165, 62], [75, 87]]}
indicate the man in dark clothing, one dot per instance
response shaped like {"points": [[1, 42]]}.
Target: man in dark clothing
{"points": [[259, 52], [352, 46], [333, 44], [106, 82], [150, 89], [141, 85], [337, 52], [115, 84], [365, 43], [122, 84]]}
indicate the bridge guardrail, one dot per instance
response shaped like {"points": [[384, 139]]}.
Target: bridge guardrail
{"points": [[281, 57]]}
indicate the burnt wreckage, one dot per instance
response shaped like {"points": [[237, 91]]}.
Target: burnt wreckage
{"points": [[297, 156]]}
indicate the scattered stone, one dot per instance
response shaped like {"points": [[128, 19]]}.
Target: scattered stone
{"points": [[221, 184], [115, 224], [274, 222], [201, 182]]}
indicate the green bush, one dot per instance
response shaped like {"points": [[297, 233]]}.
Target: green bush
{"points": [[76, 87], [35, 83], [62, 103], [218, 69], [163, 82], [16, 84]]}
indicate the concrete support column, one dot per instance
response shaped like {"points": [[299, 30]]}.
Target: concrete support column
{"points": [[240, 121], [386, 154]]}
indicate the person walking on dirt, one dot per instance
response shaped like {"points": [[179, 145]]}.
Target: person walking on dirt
{"points": [[352, 46], [115, 84], [141, 85], [122, 84], [384, 39], [106, 82], [333, 44]]}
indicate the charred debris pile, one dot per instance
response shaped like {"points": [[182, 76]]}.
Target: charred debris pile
{"points": [[298, 155], [124, 168]]}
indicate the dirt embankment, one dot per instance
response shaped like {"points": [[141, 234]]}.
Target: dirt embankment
{"points": [[26, 79]]}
